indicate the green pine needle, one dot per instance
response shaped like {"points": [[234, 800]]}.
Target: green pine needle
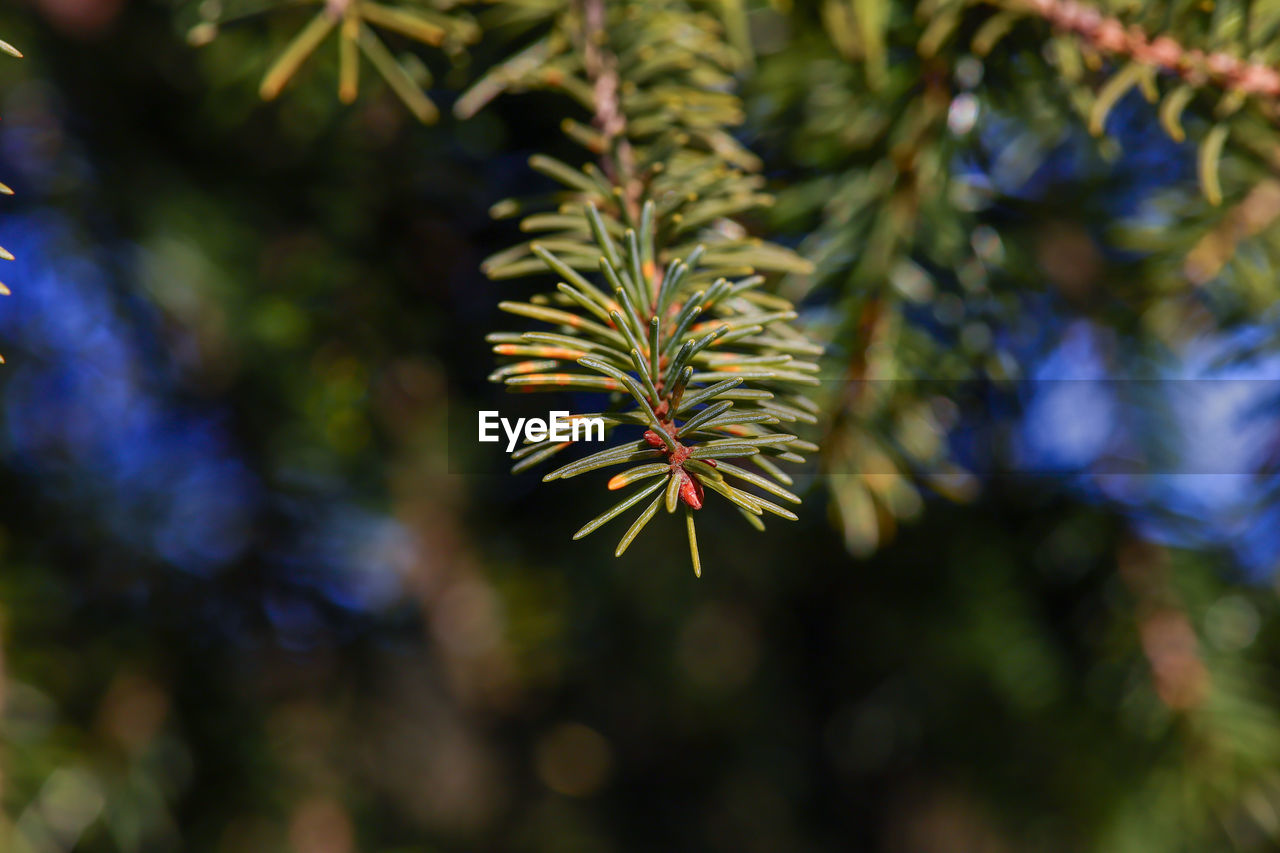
{"points": [[659, 308]]}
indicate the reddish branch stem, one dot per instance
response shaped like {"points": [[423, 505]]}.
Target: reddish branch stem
{"points": [[601, 69], [1111, 36], [1178, 671]]}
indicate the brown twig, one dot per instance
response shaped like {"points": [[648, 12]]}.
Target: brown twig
{"points": [[1110, 35], [617, 158], [1169, 643], [601, 67]]}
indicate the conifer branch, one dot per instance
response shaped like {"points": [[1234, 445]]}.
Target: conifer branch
{"points": [[356, 24], [660, 300], [1111, 36], [1142, 57]]}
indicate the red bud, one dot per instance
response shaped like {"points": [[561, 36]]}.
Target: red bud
{"points": [[690, 490]]}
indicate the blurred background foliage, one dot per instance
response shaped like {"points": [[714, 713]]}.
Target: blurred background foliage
{"points": [[258, 595]]}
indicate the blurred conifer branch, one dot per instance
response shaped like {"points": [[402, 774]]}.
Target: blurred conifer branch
{"points": [[1207, 709], [437, 23], [905, 227], [1225, 63], [660, 300], [875, 138], [1173, 51]]}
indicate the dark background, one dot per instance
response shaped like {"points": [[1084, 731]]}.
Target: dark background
{"points": [[250, 603]]}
